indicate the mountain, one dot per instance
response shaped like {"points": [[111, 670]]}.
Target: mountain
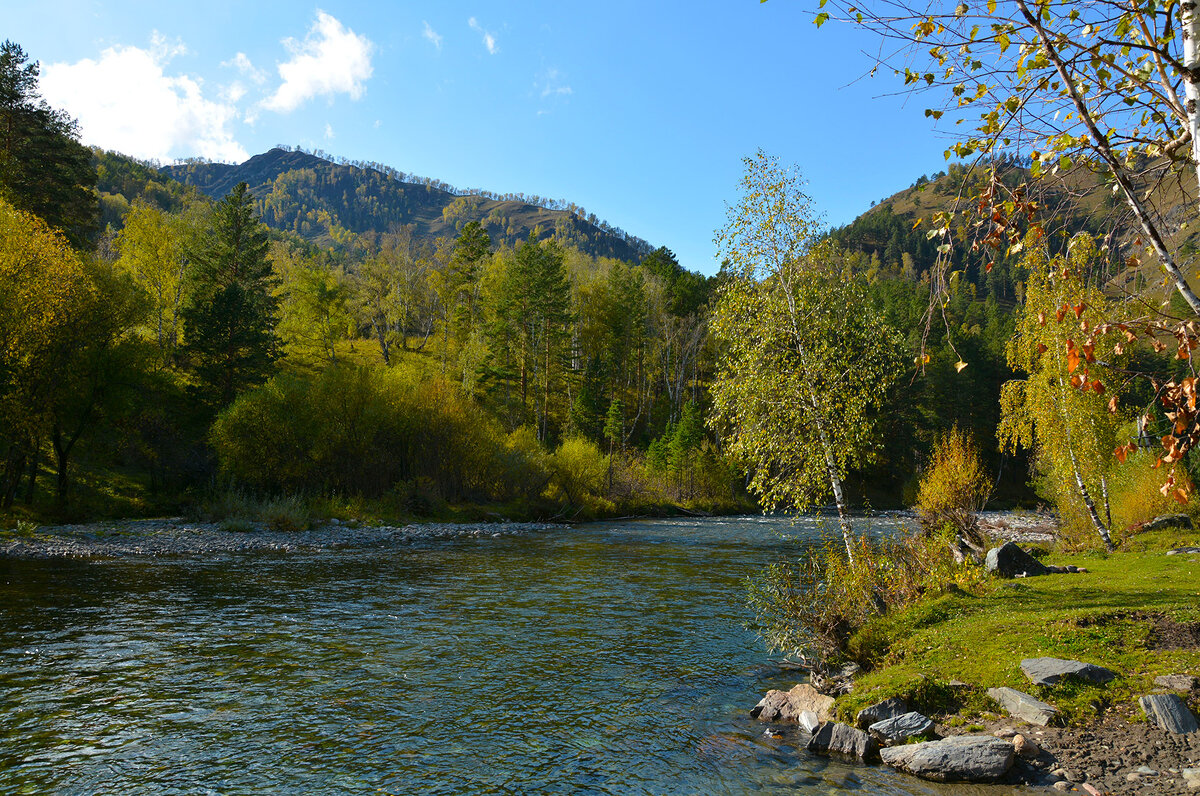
{"points": [[327, 202]]}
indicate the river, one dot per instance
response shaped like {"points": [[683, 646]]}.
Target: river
{"points": [[608, 658]]}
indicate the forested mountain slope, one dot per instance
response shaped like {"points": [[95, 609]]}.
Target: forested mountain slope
{"points": [[324, 202]]}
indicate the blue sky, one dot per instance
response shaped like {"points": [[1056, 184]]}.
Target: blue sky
{"points": [[640, 112]]}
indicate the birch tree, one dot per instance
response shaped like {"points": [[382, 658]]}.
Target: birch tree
{"points": [[1060, 411], [805, 359]]}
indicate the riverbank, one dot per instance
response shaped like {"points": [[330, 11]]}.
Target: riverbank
{"points": [[180, 537], [1135, 612]]}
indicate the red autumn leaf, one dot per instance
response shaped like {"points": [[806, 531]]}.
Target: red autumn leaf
{"points": [[1183, 352], [1112, 405], [1041, 349], [1072, 360], [1097, 387], [1042, 318], [1121, 454], [1077, 381], [988, 268], [1087, 349], [1079, 308], [1180, 495]]}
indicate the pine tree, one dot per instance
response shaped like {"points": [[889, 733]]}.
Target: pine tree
{"points": [[44, 170], [230, 314]]}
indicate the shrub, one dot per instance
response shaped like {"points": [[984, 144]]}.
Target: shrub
{"points": [[954, 488], [808, 609], [578, 470], [1134, 495]]}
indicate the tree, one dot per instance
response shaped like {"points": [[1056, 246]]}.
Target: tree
{"points": [[1061, 410], [44, 170], [153, 246], [805, 359], [1107, 84], [230, 309]]}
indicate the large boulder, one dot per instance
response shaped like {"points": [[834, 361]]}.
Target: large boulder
{"points": [[899, 729], [1009, 561], [962, 758], [835, 738], [1023, 706], [788, 705], [1050, 671], [1168, 521], [1169, 712], [887, 709]]}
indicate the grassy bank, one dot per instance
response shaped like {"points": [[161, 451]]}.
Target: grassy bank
{"points": [[1136, 611]]}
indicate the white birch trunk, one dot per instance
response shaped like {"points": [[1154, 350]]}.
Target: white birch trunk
{"points": [[835, 481], [1189, 21]]}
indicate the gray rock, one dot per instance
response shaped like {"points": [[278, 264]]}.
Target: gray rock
{"points": [[788, 705], [1168, 521], [1183, 551], [1169, 712], [887, 709], [808, 720], [963, 758], [1023, 706], [1176, 682], [1010, 561], [1050, 671], [899, 729], [835, 738]]}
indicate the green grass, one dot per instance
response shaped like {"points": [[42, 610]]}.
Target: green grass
{"points": [[1100, 617]]}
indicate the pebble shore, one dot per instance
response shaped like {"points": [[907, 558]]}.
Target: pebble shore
{"points": [[179, 537]]}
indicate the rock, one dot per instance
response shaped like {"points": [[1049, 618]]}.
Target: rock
{"points": [[1062, 785], [1191, 774], [962, 758], [835, 738], [1023, 706], [1005, 732], [899, 729], [1050, 671], [1167, 521], [808, 720], [1145, 771], [788, 705], [1169, 712], [1176, 682], [887, 709], [1179, 551], [1010, 561], [1025, 747]]}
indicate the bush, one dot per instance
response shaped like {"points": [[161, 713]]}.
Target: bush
{"points": [[1134, 494], [954, 489], [578, 471], [809, 609]]}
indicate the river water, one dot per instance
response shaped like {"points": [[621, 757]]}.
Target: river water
{"points": [[608, 658]]}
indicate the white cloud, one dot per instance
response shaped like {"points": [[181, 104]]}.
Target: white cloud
{"points": [[329, 131], [241, 62], [432, 36], [331, 60], [125, 101], [551, 84], [489, 40]]}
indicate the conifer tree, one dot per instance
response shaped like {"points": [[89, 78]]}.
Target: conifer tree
{"points": [[230, 313]]}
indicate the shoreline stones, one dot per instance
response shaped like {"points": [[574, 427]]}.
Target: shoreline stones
{"points": [[835, 738], [790, 705], [887, 709], [1169, 712], [1176, 682], [1024, 706], [960, 758], [899, 729], [1050, 671]]}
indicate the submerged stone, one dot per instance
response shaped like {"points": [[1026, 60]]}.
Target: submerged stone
{"points": [[788, 705]]}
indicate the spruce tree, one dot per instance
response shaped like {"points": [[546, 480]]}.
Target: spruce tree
{"points": [[230, 314]]}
